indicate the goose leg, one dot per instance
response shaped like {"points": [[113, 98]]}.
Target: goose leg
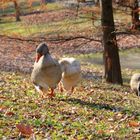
{"points": [[72, 89], [42, 94], [51, 95], [61, 87], [40, 90]]}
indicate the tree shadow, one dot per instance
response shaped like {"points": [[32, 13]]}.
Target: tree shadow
{"points": [[100, 106], [8, 21], [91, 75]]}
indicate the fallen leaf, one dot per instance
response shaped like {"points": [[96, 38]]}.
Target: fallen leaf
{"points": [[25, 130], [9, 113], [3, 109], [110, 131], [2, 98], [111, 120], [134, 124], [119, 116], [100, 132], [136, 130]]}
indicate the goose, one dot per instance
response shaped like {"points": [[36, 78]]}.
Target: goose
{"points": [[46, 71], [135, 83], [71, 73]]}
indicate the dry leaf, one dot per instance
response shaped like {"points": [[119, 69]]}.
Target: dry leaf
{"points": [[100, 132], [134, 124], [9, 113], [136, 130], [24, 129], [3, 109], [111, 120], [2, 98]]}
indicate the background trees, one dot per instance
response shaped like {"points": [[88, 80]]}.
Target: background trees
{"points": [[134, 7], [17, 10], [16, 6]]}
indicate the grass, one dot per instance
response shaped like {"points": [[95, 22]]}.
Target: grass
{"points": [[64, 26], [9, 26], [130, 55], [96, 110]]}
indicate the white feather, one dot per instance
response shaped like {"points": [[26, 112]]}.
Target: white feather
{"points": [[71, 72], [135, 82]]}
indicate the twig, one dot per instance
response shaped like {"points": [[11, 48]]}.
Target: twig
{"points": [[56, 40]]}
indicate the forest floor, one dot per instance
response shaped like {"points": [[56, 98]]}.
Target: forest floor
{"points": [[96, 110]]}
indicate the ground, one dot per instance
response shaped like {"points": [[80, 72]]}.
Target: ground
{"points": [[96, 110], [18, 54]]}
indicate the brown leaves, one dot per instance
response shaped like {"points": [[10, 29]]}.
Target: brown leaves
{"points": [[100, 132], [25, 130], [134, 124], [6, 111], [3, 109], [10, 113]]}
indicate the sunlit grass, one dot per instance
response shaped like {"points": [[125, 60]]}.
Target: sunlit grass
{"points": [[69, 25], [95, 111], [64, 26]]}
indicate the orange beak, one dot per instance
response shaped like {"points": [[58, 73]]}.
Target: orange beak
{"points": [[37, 57]]}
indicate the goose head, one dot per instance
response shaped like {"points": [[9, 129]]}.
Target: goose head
{"points": [[41, 50]]}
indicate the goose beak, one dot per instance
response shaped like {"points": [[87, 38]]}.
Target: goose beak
{"points": [[37, 57]]}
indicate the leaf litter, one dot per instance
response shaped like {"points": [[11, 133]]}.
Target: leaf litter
{"points": [[96, 110], [79, 116]]}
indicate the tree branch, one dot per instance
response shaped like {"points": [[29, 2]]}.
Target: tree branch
{"points": [[54, 40]]}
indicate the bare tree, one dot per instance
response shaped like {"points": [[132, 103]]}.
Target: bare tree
{"points": [[111, 55], [17, 10], [135, 15], [16, 6], [134, 6]]}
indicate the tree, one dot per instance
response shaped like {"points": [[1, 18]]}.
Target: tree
{"points": [[111, 55], [17, 10], [134, 6], [16, 6], [135, 15], [97, 2]]}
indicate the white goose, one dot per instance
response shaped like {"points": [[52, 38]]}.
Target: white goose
{"points": [[135, 83], [71, 72]]}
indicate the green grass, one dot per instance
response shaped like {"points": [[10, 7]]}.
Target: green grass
{"points": [[96, 110], [68, 25], [9, 26], [23, 29]]}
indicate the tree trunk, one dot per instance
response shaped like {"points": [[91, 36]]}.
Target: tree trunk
{"points": [[135, 15], [98, 2], [17, 10], [111, 55]]}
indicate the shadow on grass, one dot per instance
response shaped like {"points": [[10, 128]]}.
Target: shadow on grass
{"points": [[100, 106], [7, 21]]}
